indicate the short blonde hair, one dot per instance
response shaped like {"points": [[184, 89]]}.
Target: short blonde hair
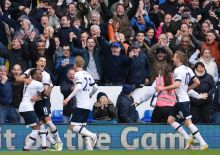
{"points": [[79, 61], [181, 56]]}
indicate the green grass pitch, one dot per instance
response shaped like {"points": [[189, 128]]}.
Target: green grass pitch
{"points": [[142, 152]]}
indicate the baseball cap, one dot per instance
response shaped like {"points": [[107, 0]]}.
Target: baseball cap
{"points": [[127, 89], [116, 44]]}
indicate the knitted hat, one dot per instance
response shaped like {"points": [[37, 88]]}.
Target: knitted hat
{"points": [[127, 89], [100, 94]]}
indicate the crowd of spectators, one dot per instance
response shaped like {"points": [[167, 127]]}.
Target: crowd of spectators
{"points": [[122, 42]]}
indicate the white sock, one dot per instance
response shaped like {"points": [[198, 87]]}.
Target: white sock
{"points": [[82, 130], [54, 131], [42, 135], [50, 138], [180, 130], [195, 132], [88, 143], [32, 138]]}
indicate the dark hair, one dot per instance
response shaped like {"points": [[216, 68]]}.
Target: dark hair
{"points": [[84, 31], [67, 17], [167, 77], [119, 5], [199, 64], [72, 3], [149, 28], [139, 31], [33, 72], [53, 5], [38, 58]]}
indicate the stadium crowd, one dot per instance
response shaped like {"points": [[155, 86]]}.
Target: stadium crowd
{"points": [[122, 42]]}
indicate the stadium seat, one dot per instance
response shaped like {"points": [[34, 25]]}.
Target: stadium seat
{"points": [[90, 119], [57, 116], [147, 116]]}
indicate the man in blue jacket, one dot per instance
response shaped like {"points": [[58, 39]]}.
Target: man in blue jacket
{"points": [[126, 110], [7, 111]]}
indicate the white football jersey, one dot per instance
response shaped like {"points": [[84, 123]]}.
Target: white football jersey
{"points": [[82, 96], [46, 77], [29, 91], [183, 74]]}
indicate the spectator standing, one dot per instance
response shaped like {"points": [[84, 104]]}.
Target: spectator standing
{"points": [[160, 56], [17, 88], [92, 56], [200, 108], [139, 71], [64, 63], [7, 111], [19, 54], [66, 88], [207, 60], [115, 63]]}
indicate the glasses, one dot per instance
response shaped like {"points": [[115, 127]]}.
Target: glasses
{"points": [[66, 49]]}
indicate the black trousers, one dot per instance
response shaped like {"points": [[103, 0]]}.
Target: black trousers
{"points": [[201, 113]]}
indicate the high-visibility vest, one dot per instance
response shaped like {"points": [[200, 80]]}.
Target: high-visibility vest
{"points": [[165, 98]]}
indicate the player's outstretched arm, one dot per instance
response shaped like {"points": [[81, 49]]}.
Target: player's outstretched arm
{"points": [[76, 89], [23, 79]]}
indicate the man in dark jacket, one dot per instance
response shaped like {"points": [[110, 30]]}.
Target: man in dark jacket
{"points": [[7, 112], [17, 55], [139, 71], [115, 64], [126, 110], [66, 89], [38, 49], [17, 88]]}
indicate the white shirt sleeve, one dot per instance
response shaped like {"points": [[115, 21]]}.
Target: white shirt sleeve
{"points": [[192, 74], [40, 87], [149, 93], [194, 58], [177, 75]]}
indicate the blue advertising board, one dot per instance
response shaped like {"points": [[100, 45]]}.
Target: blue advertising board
{"points": [[113, 137]]}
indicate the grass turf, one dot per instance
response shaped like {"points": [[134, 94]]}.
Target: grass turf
{"points": [[137, 152]]}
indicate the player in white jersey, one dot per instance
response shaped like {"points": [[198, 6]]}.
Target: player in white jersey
{"points": [[42, 107], [182, 76], [83, 85], [26, 108]]}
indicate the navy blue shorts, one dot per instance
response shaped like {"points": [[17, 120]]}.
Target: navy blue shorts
{"points": [[181, 111], [30, 117], [79, 115], [42, 108]]}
